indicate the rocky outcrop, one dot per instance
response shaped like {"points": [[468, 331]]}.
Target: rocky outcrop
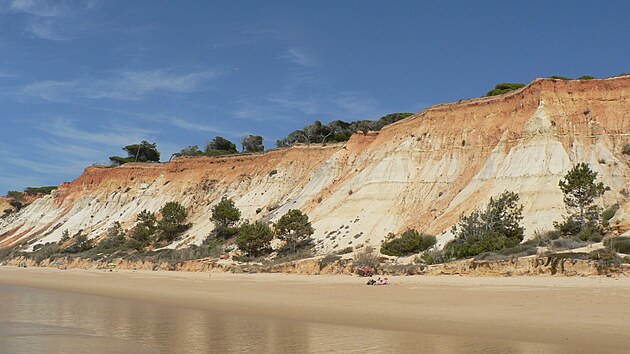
{"points": [[422, 172]]}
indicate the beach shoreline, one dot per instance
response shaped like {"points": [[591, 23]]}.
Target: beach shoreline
{"points": [[587, 312]]}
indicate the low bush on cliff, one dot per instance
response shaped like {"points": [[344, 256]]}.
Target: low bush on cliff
{"points": [[175, 256], [46, 251], [367, 257], [430, 256], [410, 242], [254, 239], [504, 87], [494, 228], [225, 216], [566, 244], [608, 214], [337, 130], [172, 223], [517, 251], [295, 230], [39, 190], [80, 243], [619, 244], [143, 152]]}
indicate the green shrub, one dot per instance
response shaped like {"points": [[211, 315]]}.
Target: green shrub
{"points": [[590, 234], [518, 251], [328, 259], [559, 77], [586, 77], [619, 244], [45, 251], [410, 242], [543, 238], [608, 213], [522, 250], [504, 87], [172, 222], [254, 239], [80, 244], [39, 190], [605, 260], [566, 244], [113, 241], [225, 215], [488, 230], [344, 251], [295, 229], [431, 256]]}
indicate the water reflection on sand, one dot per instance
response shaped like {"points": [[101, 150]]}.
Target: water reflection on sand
{"points": [[42, 321]]}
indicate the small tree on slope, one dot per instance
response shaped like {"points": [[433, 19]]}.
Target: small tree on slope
{"points": [[580, 192], [295, 229]]}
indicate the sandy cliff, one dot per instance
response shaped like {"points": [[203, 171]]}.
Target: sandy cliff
{"points": [[421, 172]]}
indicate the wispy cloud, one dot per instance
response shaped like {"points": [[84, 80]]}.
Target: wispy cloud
{"points": [[112, 135], [184, 124], [45, 8], [300, 57], [54, 20], [127, 85], [48, 29]]}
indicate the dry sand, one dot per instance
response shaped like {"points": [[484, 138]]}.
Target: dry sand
{"points": [[590, 312]]}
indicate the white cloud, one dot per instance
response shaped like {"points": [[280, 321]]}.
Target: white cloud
{"points": [[127, 85], [300, 57], [114, 135], [41, 7], [46, 29], [58, 20], [184, 124]]}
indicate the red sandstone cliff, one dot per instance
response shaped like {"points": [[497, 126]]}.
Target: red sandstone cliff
{"points": [[422, 172]]}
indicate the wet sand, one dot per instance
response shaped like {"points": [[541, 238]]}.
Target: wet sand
{"points": [[588, 314]]}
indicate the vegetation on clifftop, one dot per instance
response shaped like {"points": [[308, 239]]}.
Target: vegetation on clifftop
{"points": [[504, 87]]}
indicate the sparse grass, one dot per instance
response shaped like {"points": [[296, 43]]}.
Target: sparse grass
{"points": [[618, 244], [410, 242], [367, 257], [329, 259], [605, 259], [302, 253], [175, 256], [543, 238], [522, 250], [344, 251], [566, 244], [430, 256], [46, 251], [403, 269]]}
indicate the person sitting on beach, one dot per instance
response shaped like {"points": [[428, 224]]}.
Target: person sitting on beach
{"points": [[385, 282]]}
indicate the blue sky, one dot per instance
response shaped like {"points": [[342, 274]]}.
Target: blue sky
{"points": [[81, 79]]}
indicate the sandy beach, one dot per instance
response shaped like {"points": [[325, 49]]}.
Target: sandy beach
{"points": [[589, 313]]}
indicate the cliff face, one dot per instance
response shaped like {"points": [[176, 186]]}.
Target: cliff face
{"points": [[422, 172]]}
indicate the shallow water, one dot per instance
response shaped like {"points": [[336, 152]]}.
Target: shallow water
{"points": [[42, 321]]}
